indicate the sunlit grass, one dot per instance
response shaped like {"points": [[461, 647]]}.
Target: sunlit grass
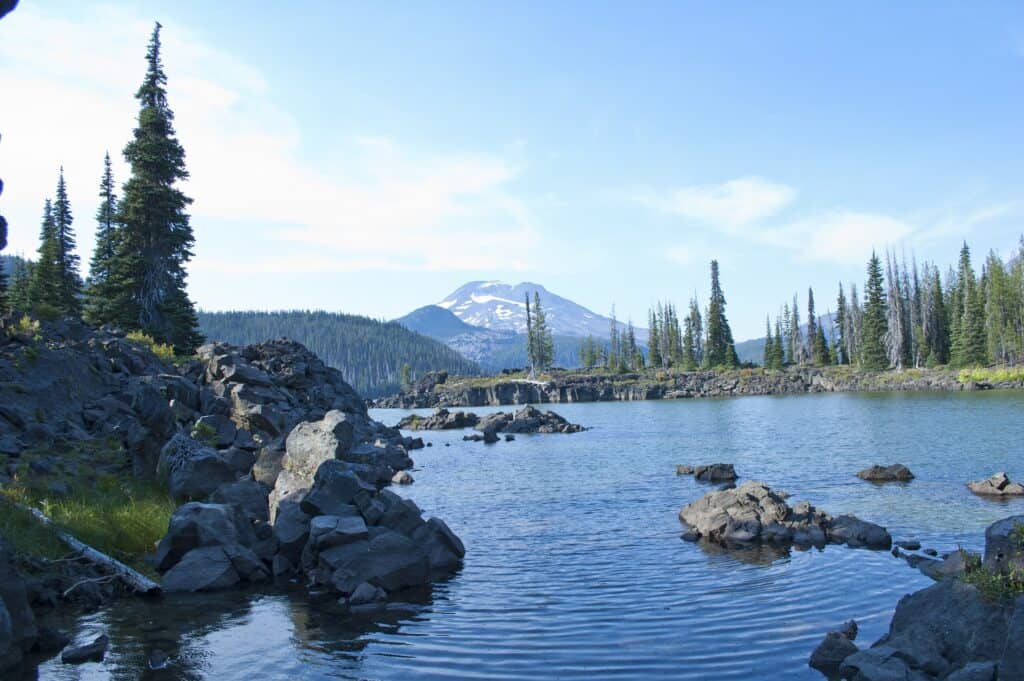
{"points": [[992, 374]]}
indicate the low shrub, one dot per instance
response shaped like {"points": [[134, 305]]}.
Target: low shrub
{"points": [[161, 350]]}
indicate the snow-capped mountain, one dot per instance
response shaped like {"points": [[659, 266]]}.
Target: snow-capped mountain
{"points": [[502, 307]]}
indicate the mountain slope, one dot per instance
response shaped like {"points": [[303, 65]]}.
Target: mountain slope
{"points": [[369, 353], [499, 306]]}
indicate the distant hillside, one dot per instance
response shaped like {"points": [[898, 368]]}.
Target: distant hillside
{"points": [[369, 353]]}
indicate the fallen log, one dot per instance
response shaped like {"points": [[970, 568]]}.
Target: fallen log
{"points": [[133, 578]]}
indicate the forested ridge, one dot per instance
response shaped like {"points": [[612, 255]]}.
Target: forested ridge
{"points": [[369, 353]]}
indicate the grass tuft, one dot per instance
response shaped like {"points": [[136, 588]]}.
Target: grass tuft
{"points": [[161, 350], [992, 374]]}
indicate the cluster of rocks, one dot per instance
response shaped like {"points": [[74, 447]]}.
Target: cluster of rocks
{"points": [[753, 512], [713, 472], [527, 420], [996, 485], [280, 469], [947, 631], [896, 472]]}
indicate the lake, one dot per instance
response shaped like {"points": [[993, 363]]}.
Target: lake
{"points": [[574, 566]]}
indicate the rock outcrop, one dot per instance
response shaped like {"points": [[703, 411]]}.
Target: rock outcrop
{"points": [[834, 649], [577, 386], [947, 632], [18, 630], [896, 472], [526, 420], [753, 512], [996, 485], [714, 472]]}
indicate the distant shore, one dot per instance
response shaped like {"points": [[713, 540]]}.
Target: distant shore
{"points": [[561, 386]]}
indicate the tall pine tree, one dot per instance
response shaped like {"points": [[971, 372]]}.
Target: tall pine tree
{"points": [[69, 284], [841, 325], [147, 276], [719, 350], [98, 291], [872, 352], [969, 343], [44, 286]]}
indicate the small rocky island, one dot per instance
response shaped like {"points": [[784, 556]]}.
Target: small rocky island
{"points": [[278, 469], [526, 420], [753, 512], [996, 485]]}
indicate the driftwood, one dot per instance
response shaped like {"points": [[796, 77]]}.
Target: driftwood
{"points": [[132, 578]]}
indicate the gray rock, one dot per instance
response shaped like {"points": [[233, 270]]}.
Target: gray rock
{"points": [[683, 469], [976, 671], [267, 466], [953, 565], [90, 652], [856, 533], [215, 430], [444, 549], [193, 470], [10, 651], [402, 478], [311, 443], [1011, 664], [1004, 544], [21, 622], [334, 486], [327, 531], [997, 485], [715, 472], [238, 460], [291, 529], [248, 495], [831, 652], [367, 593], [390, 560], [204, 569], [195, 525], [896, 472], [287, 487]]}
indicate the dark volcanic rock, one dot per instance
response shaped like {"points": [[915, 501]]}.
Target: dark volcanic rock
{"points": [[897, 472], [715, 472], [90, 652], [442, 419], [18, 631], [1004, 544]]}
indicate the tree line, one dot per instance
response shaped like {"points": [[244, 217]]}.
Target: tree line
{"points": [[911, 316], [137, 278], [370, 354], [699, 341]]}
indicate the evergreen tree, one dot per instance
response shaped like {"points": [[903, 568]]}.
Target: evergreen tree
{"points": [[98, 292], [778, 348], [936, 323], [688, 357], [769, 349], [812, 328], [875, 325], [633, 354], [69, 282], [969, 343], [147, 276], [44, 288], [531, 338], [798, 349], [543, 343], [613, 343], [720, 349], [19, 296], [840, 339], [654, 341]]}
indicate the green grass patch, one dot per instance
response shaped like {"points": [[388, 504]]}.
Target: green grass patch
{"points": [[992, 374], [996, 586], [161, 350], [122, 518], [27, 535]]}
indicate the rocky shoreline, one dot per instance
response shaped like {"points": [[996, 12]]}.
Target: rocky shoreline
{"points": [[440, 390], [279, 470]]}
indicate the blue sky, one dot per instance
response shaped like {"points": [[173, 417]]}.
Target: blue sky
{"points": [[372, 157]]}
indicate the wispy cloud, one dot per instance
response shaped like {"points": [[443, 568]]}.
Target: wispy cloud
{"points": [[728, 206], [377, 203]]}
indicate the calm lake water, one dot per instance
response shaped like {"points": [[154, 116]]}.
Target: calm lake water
{"points": [[574, 565]]}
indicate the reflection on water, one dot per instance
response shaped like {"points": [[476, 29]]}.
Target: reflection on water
{"points": [[575, 568]]}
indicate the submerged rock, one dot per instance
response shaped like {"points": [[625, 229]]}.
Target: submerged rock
{"points": [[997, 485], [897, 472], [90, 652], [834, 649], [753, 512]]}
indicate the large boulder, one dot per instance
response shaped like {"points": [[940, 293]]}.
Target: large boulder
{"points": [[897, 472], [996, 485], [856, 533], [211, 568], [1004, 544], [248, 495], [291, 529], [287, 487], [196, 525], [18, 630], [312, 442], [831, 652], [1011, 664], [216, 430], [334, 489], [389, 560], [192, 469], [934, 633]]}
